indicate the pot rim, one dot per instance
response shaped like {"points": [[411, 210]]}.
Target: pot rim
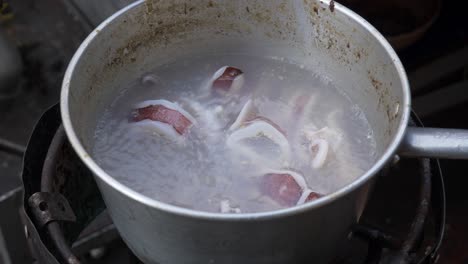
{"points": [[99, 172]]}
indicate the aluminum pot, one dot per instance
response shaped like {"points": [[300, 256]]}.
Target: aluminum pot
{"points": [[323, 35]]}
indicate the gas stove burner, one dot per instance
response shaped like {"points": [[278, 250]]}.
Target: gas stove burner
{"points": [[65, 215]]}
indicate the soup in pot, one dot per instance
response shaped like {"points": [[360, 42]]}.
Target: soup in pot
{"points": [[234, 133]]}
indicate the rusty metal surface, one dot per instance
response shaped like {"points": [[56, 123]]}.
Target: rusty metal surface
{"points": [[48, 207], [41, 253], [86, 201], [66, 176], [66, 173]]}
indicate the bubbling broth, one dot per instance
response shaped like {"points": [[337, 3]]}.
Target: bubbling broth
{"points": [[260, 134]]}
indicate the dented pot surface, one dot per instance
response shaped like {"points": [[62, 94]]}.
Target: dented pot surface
{"points": [[319, 34]]}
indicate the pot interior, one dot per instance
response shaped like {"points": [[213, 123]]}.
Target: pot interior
{"points": [[332, 41]]}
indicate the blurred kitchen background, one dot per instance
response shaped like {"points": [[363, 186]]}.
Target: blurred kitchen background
{"points": [[38, 38]]}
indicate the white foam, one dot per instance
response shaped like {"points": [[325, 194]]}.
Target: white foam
{"points": [[244, 114], [226, 208], [321, 155]]}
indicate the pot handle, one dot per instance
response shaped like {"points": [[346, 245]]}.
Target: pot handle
{"points": [[444, 143]]}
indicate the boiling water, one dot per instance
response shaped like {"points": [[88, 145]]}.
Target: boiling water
{"points": [[202, 173]]}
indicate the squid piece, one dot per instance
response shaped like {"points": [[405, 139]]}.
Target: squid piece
{"points": [[319, 150], [320, 141], [257, 128], [245, 114], [226, 208], [308, 196], [284, 187], [166, 118], [227, 79]]}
